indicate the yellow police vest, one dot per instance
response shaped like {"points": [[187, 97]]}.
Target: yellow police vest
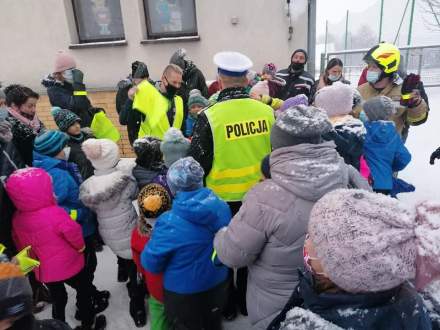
{"points": [[241, 134], [149, 101]]}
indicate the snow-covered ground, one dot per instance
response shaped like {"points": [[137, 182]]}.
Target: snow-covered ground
{"points": [[422, 142]]}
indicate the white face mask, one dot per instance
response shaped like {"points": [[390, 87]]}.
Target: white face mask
{"points": [[68, 76], [334, 78], [66, 153]]}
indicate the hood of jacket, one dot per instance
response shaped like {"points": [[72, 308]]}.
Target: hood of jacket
{"points": [[98, 189], [199, 206], [309, 170], [45, 162], [31, 189], [382, 132]]}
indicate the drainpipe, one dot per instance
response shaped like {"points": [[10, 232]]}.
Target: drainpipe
{"points": [[311, 36]]}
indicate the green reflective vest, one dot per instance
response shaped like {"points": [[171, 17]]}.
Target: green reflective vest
{"points": [[154, 106], [241, 134]]}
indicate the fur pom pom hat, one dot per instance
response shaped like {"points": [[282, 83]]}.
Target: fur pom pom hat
{"points": [[102, 153]]}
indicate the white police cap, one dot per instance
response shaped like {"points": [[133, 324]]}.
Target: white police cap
{"points": [[232, 63]]}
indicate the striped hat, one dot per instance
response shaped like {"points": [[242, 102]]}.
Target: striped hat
{"points": [[50, 143], [64, 118]]}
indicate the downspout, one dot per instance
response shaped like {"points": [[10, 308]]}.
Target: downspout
{"points": [[311, 36]]}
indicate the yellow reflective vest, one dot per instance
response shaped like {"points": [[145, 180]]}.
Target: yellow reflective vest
{"points": [[149, 101], [241, 135]]}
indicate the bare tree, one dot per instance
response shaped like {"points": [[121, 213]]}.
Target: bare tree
{"points": [[432, 12]]}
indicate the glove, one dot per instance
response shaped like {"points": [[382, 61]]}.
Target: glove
{"points": [[78, 76], [410, 84], [435, 155], [78, 86]]}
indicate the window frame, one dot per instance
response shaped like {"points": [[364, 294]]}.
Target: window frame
{"points": [[96, 40], [167, 35]]}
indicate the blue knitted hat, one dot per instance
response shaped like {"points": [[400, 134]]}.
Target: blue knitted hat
{"points": [[64, 118], [186, 174], [50, 143]]}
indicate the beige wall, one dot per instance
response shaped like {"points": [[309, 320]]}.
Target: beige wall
{"points": [[31, 31]]}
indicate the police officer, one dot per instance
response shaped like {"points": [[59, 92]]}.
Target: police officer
{"points": [[160, 104], [230, 140]]}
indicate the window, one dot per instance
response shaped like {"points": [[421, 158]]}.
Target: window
{"points": [[170, 18], [98, 20]]}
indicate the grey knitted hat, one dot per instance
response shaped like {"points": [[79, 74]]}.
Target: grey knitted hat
{"points": [[379, 108], [174, 146], [299, 124]]}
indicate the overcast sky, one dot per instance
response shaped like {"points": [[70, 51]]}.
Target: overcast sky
{"points": [[335, 10]]}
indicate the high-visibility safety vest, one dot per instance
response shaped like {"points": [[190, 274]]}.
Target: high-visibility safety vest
{"points": [[241, 134], [155, 106]]}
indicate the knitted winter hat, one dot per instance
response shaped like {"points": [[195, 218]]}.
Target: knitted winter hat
{"points": [[141, 71], [153, 200], [336, 100], [196, 98], [300, 51], [147, 150], [186, 174], [379, 108], [174, 146], [50, 143], [270, 69], [368, 242], [64, 118], [179, 58], [294, 101], [102, 153], [63, 62], [300, 124], [261, 88], [15, 292], [5, 127]]}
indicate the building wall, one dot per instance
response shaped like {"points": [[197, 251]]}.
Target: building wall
{"points": [[32, 31]]}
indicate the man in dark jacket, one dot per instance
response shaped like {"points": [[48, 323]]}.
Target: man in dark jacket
{"points": [[66, 89], [124, 99], [298, 81]]}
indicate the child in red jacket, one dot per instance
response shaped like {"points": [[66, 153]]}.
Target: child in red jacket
{"points": [[153, 200]]}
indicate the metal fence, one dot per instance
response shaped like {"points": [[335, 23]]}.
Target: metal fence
{"points": [[423, 60]]}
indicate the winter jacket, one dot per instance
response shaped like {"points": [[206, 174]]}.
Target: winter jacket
{"points": [[154, 282], [296, 83], [78, 156], [133, 119], [144, 176], [405, 116], [23, 138], [10, 160], [348, 135], [66, 189], [181, 243], [384, 152], [395, 309], [193, 78], [110, 196], [268, 232], [38, 222], [61, 95], [122, 93], [189, 126]]}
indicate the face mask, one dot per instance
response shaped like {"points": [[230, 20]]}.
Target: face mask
{"points": [[363, 117], [171, 91], [334, 78], [373, 76], [68, 76], [66, 153], [297, 66]]}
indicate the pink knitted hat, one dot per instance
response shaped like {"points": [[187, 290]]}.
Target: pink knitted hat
{"points": [[336, 100], [63, 61], [368, 242]]}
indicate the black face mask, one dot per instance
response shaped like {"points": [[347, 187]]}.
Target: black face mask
{"points": [[297, 66], [171, 91]]}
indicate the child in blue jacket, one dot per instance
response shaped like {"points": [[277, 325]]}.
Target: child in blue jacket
{"points": [[384, 150], [181, 247]]}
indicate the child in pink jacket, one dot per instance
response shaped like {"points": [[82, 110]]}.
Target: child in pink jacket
{"points": [[56, 240]]}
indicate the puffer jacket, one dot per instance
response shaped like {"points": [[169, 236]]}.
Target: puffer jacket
{"points": [[181, 243], [54, 237], [61, 95], [268, 232], [66, 181], [384, 152], [395, 309], [110, 196], [348, 134]]}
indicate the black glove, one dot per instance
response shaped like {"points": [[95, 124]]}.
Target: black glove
{"points": [[410, 84], [435, 155], [78, 78]]}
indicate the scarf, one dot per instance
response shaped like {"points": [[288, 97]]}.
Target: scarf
{"points": [[232, 94], [34, 124]]}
